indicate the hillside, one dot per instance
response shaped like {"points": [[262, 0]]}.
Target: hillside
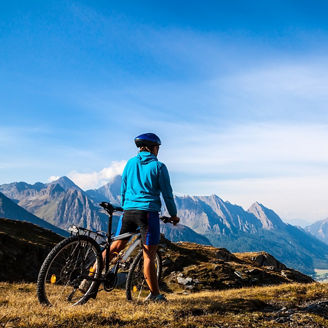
{"points": [[23, 247]]}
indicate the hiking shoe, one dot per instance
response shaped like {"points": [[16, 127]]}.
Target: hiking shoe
{"points": [[85, 285], [155, 298]]}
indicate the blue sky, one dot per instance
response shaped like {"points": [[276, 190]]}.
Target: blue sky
{"points": [[237, 91]]}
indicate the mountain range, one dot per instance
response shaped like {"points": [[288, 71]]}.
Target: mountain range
{"points": [[204, 219], [11, 210], [61, 203]]}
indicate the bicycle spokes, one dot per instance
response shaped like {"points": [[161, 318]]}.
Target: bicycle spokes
{"points": [[69, 267]]}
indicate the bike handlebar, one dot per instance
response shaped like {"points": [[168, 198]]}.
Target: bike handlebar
{"points": [[112, 208]]}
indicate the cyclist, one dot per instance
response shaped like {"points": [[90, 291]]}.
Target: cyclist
{"points": [[143, 179]]}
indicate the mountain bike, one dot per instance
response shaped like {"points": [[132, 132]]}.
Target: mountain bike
{"points": [[79, 258]]}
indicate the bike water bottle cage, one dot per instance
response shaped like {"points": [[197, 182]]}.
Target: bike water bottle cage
{"points": [[147, 139]]}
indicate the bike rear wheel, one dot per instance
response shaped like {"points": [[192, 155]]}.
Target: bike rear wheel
{"points": [[66, 266], [136, 285]]}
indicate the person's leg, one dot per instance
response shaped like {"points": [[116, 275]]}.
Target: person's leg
{"points": [[124, 225], [149, 254], [150, 232], [115, 248]]}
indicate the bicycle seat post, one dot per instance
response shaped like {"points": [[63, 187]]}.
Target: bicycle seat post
{"points": [[109, 233]]}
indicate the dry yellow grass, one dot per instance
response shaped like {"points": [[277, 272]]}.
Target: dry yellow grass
{"points": [[246, 307]]}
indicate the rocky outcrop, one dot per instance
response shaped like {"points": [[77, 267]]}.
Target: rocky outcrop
{"points": [[188, 266]]}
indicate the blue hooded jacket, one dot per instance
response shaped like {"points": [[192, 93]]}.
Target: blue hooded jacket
{"points": [[143, 179]]}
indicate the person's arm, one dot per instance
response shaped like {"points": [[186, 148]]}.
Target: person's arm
{"points": [[123, 187], [166, 189]]}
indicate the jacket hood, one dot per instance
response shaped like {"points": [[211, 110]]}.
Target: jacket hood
{"points": [[146, 157]]}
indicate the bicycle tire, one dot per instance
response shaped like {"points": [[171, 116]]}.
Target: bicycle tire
{"points": [[136, 285], [67, 264]]}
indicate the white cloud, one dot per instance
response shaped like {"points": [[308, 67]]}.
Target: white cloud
{"points": [[53, 178], [98, 178]]}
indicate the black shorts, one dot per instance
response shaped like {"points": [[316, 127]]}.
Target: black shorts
{"points": [[148, 222]]}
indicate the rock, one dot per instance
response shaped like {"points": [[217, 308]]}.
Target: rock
{"points": [[295, 276], [266, 260], [225, 255], [239, 274], [184, 281]]}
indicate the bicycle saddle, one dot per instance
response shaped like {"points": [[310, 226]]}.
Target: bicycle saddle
{"points": [[110, 207]]}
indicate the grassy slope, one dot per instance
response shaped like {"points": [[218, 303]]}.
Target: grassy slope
{"points": [[246, 307]]}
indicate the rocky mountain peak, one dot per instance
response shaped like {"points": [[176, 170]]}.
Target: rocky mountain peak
{"points": [[319, 229], [65, 183], [55, 188], [268, 218]]}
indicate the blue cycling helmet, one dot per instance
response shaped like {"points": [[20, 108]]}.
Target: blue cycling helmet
{"points": [[147, 139]]}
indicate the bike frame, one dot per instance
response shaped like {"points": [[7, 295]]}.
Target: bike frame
{"points": [[109, 240]]}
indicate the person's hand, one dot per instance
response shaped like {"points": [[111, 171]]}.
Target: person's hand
{"points": [[175, 220]]}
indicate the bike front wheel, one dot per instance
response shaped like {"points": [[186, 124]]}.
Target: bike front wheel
{"points": [[136, 285], [70, 262]]}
